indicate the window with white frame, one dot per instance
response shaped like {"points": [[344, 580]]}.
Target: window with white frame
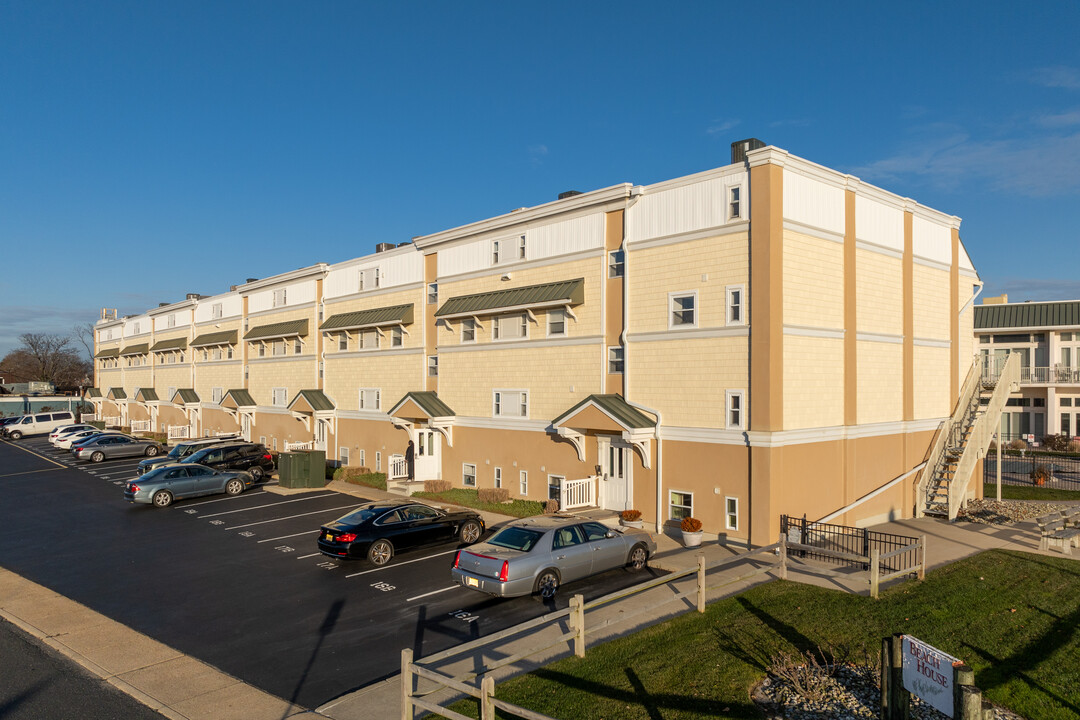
{"points": [[468, 330], [736, 295], [343, 456], [495, 252], [171, 321], [228, 352], [731, 513], [215, 311], [262, 440], [279, 397], [734, 202], [510, 327], [616, 263], [274, 444], [279, 297], [363, 461], [510, 403], [278, 347], [498, 477], [297, 346], [378, 461], [555, 483], [615, 361], [321, 369], [433, 293], [734, 402], [369, 339], [370, 399], [135, 329], [680, 504], [216, 394], [556, 323], [215, 354], [433, 365], [521, 248], [343, 341], [262, 349], [683, 310], [361, 280], [468, 474], [397, 336], [523, 483]]}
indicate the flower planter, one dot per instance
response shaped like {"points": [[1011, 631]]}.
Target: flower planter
{"points": [[691, 539], [639, 524]]}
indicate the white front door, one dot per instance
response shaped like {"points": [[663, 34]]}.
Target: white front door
{"points": [[426, 461], [320, 435], [245, 427], [616, 481]]}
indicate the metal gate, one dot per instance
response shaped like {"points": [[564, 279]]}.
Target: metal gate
{"points": [[846, 539]]}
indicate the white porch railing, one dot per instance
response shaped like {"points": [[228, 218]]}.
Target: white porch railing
{"points": [[224, 433], [577, 493], [179, 432], [88, 417], [292, 446], [140, 426], [398, 468], [112, 421]]}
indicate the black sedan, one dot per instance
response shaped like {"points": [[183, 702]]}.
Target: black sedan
{"points": [[378, 530]]}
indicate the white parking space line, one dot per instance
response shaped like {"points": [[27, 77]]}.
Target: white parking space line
{"points": [[226, 499], [304, 557], [290, 517], [385, 567], [257, 507], [286, 537], [433, 592]]}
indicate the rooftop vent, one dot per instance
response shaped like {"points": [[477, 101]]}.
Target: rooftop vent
{"points": [[739, 148], [193, 296], [251, 280], [403, 244], [569, 194], [162, 304], [383, 247]]}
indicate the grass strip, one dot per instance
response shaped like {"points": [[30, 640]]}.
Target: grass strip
{"points": [[1028, 492], [470, 498]]}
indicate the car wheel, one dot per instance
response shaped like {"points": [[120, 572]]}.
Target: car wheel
{"points": [[256, 473], [547, 584], [470, 532], [15, 435], [638, 558], [234, 487], [97, 456], [162, 498], [152, 450], [380, 552]]}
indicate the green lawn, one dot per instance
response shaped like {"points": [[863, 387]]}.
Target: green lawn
{"points": [[470, 498], [374, 480], [1013, 617], [1028, 492]]}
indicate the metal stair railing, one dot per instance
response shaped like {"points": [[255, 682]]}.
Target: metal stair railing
{"points": [[986, 425], [935, 462]]}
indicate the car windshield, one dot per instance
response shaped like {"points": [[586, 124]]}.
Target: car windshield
{"points": [[516, 538], [362, 515]]}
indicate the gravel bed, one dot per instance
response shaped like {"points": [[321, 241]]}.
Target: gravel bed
{"points": [[1007, 512], [844, 692]]}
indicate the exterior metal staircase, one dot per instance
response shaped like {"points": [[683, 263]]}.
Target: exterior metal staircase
{"points": [[965, 436]]}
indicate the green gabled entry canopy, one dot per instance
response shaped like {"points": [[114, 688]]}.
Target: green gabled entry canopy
{"points": [[605, 413], [394, 315], [289, 328], [225, 337], [146, 395], [117, 394], [187, 396], [237, 398], [425, 404], [564, 292], [92, 393], [311, 401]]}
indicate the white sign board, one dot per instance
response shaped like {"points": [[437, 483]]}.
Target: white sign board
{"points": [[928, 674]]}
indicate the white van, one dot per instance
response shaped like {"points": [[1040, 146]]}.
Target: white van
{"points": [[37, 424]]}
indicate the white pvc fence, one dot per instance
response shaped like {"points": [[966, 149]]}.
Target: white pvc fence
{"points": [[577, 493], [291, 446], [88, 417], [140, 426], [112, 421], [179, 432], [398, 468]]}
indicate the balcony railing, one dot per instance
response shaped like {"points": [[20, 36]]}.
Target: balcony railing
{"points": [[112, 421], [88, 417], [293, 446], [140, 426], [398, 468], [1059, 374]]}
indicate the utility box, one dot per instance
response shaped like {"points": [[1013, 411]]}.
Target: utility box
{"points": [[302, 469]]}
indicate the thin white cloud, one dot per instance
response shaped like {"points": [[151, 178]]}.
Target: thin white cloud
{"points": [[791, 122], [1064, 119], [1020, 289], [537, 153], [1057, 76], [722, 127]]}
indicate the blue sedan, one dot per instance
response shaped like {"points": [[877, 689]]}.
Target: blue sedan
{"points": [[162, 485]]}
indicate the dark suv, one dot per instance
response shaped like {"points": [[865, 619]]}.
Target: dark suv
{"points": [[250, 457]]}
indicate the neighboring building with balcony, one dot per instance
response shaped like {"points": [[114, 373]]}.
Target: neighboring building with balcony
{"points": [[763, 338], [1046, 338]]}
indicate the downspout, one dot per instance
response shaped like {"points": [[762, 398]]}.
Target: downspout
{"points": [[635, 193]]}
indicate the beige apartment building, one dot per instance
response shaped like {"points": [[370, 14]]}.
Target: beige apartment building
{"points": [[769, 337]]}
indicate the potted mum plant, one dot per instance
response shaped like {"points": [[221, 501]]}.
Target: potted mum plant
{"points": [[631, 518], [691, 531]]}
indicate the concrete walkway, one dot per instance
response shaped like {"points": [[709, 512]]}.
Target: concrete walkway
{"points": [[182, 687]]}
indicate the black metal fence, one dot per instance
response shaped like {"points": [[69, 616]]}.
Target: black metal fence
{"points": [[854, 540], [1018, 468]]}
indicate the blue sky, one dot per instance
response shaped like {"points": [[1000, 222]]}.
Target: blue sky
{"points": [[152, 149]]}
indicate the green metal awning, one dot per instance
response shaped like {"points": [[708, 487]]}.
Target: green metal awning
{"points": [[187, 396], [311, 401], [289, 328], [564, 292], [394, 315], [146, 395], [1027, 315], [140, 349], [108, 353], [615, 407], [426, 402], [174, 344], [117, 394], [237, 398], [226, 337], [92, 393]]}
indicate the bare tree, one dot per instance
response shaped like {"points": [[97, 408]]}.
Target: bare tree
{"points": [[48, 358], [83, 334]]}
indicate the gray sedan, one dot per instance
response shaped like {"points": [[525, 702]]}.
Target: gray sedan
{"points": [[162, 485], [107, 447], [538, 554]]}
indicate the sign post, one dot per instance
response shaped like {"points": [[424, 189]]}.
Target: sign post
{"points": [[913, 667]]}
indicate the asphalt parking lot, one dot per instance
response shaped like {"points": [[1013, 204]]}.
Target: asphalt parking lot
{"points": [[237, 581]]}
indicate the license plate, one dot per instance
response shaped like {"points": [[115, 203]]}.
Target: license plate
{"points": [[472, 582], [329, 537]]}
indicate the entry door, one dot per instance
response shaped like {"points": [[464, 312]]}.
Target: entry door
{"points": [[245, 427], [320, 435], [616, 480], [426, 455]]}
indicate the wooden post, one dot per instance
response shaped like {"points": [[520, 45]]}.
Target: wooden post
{"points": [[875, 572], [970, 703], [922, 557], [783, 556], [701, 582], [577, 612], [963, 676], [487, 692], [899, 698], [406, 684], [886, 677]]}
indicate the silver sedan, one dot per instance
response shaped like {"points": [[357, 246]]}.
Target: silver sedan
{"points": [[106, 447], [538, 554]]}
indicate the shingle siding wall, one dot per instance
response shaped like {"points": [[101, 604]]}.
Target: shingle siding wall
{"points": [[813, 281], [880, 383], [879, 293], [813, 382]]}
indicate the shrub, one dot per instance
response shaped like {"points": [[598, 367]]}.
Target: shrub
{"points": [[1017, 444], [436, 486], [551, 507], [630, 515], [493, 495], [1074, 446], [1057, 443], [690, 524], [1040, 474]]}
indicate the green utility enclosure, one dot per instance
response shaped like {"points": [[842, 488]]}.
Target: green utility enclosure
{"points": [[302, 469]]}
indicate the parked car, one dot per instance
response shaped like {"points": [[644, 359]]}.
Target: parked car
{"points": [[69, 429], [378, 530], [253, 458], [64, 442], [162, 485], [537, 555], [182, 450], [37, 424], [107, 447]]}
